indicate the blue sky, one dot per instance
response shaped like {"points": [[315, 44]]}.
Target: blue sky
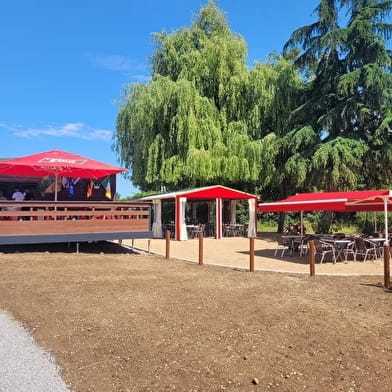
{"points": [[64, 63]]}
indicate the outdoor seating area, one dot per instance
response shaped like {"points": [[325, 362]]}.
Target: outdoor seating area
{"points": [[334, 248], [234, 230], [214, 211], [337, 247]]}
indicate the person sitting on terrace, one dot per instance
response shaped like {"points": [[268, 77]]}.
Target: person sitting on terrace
{"points": [[28, 195], [17, 195], [291, 230], [298, 228]]}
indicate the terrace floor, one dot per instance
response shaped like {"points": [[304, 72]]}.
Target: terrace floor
{"points": [[233, 252]]}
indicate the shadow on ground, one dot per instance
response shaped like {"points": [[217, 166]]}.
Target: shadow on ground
{"points": [[269, 254], [66, 247]]}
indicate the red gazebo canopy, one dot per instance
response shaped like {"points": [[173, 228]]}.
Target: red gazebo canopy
{"points": [[205, 193], [370, 200], [213, 192]]}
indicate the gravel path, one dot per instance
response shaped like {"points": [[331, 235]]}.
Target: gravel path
{"points": [[25, 367]]}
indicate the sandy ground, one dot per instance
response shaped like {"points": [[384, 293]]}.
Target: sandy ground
{"points": [[119, 321], [234, 252]]}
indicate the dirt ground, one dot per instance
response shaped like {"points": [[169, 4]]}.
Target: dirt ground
{"points": [[119, 321]]}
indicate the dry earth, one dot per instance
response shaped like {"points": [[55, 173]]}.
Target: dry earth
{"points": [[117, 321]]}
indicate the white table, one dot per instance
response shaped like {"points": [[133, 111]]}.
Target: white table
{"points": [[192, 230], [379, 245], [339, 246]]}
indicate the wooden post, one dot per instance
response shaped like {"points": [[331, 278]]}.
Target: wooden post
{"points": [[387, 277], [312, 258], [167, 237], [251, 254], [201, 255]]}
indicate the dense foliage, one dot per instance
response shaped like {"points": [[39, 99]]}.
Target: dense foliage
{"points": [[316, 117]]}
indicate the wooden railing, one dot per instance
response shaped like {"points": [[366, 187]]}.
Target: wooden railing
{"points": [[42, 221]]}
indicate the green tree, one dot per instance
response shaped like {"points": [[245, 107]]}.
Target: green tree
{"points": [[348, 96], [189, 125], [366, 87]]}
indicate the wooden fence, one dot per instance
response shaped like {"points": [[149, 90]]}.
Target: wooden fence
{"points": [[42, 221]]}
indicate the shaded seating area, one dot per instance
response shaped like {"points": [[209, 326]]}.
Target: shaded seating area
{"points": [[209, 210], [361, 249], [234, 230], [195, 230], [340, 246], [333, 248]]}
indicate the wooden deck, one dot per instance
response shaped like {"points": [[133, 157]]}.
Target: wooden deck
{"points": [[41, 221]]}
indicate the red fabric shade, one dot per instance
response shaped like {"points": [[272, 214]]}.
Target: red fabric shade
{"points": [[370, 200], [57, 163], [205, 193]]}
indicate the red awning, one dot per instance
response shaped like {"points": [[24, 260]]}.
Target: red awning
{"points": [[371, 200]]}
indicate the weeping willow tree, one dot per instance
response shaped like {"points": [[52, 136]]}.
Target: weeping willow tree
{"points": [[199, 119]]}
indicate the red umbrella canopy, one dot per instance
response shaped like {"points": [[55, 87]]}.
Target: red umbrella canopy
{"points": [[57, 163]]}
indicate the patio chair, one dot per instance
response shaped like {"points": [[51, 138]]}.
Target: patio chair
{"points": [[200, 229], [193, 231], [350, 250], [209, 230], [365, 248], [283, 245], [229, 230], [303, 246], [323, 248]]}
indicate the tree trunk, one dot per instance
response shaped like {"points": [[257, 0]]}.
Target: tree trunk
{"points": [[281, 220], [325, 223]]}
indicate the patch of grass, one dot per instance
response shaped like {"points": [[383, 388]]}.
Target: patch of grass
{"points": [[267, 227]]}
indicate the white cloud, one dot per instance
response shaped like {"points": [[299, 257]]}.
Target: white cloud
{"points": [[113, 62], [77, 130], [140, 78], [133, 70]]}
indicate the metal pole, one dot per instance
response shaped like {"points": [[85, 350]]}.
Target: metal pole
{"points": [[55, 186], [387, 277], [386, 221], [251, 254], [167, 237], [201, 260], [312, 259], [55, 195]]}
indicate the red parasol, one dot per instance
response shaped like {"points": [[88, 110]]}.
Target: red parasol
{"points": [[57, 163]]}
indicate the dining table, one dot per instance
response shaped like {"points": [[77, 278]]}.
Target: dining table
{"points": [[379, 245], [339, 244], [192, 230]]}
